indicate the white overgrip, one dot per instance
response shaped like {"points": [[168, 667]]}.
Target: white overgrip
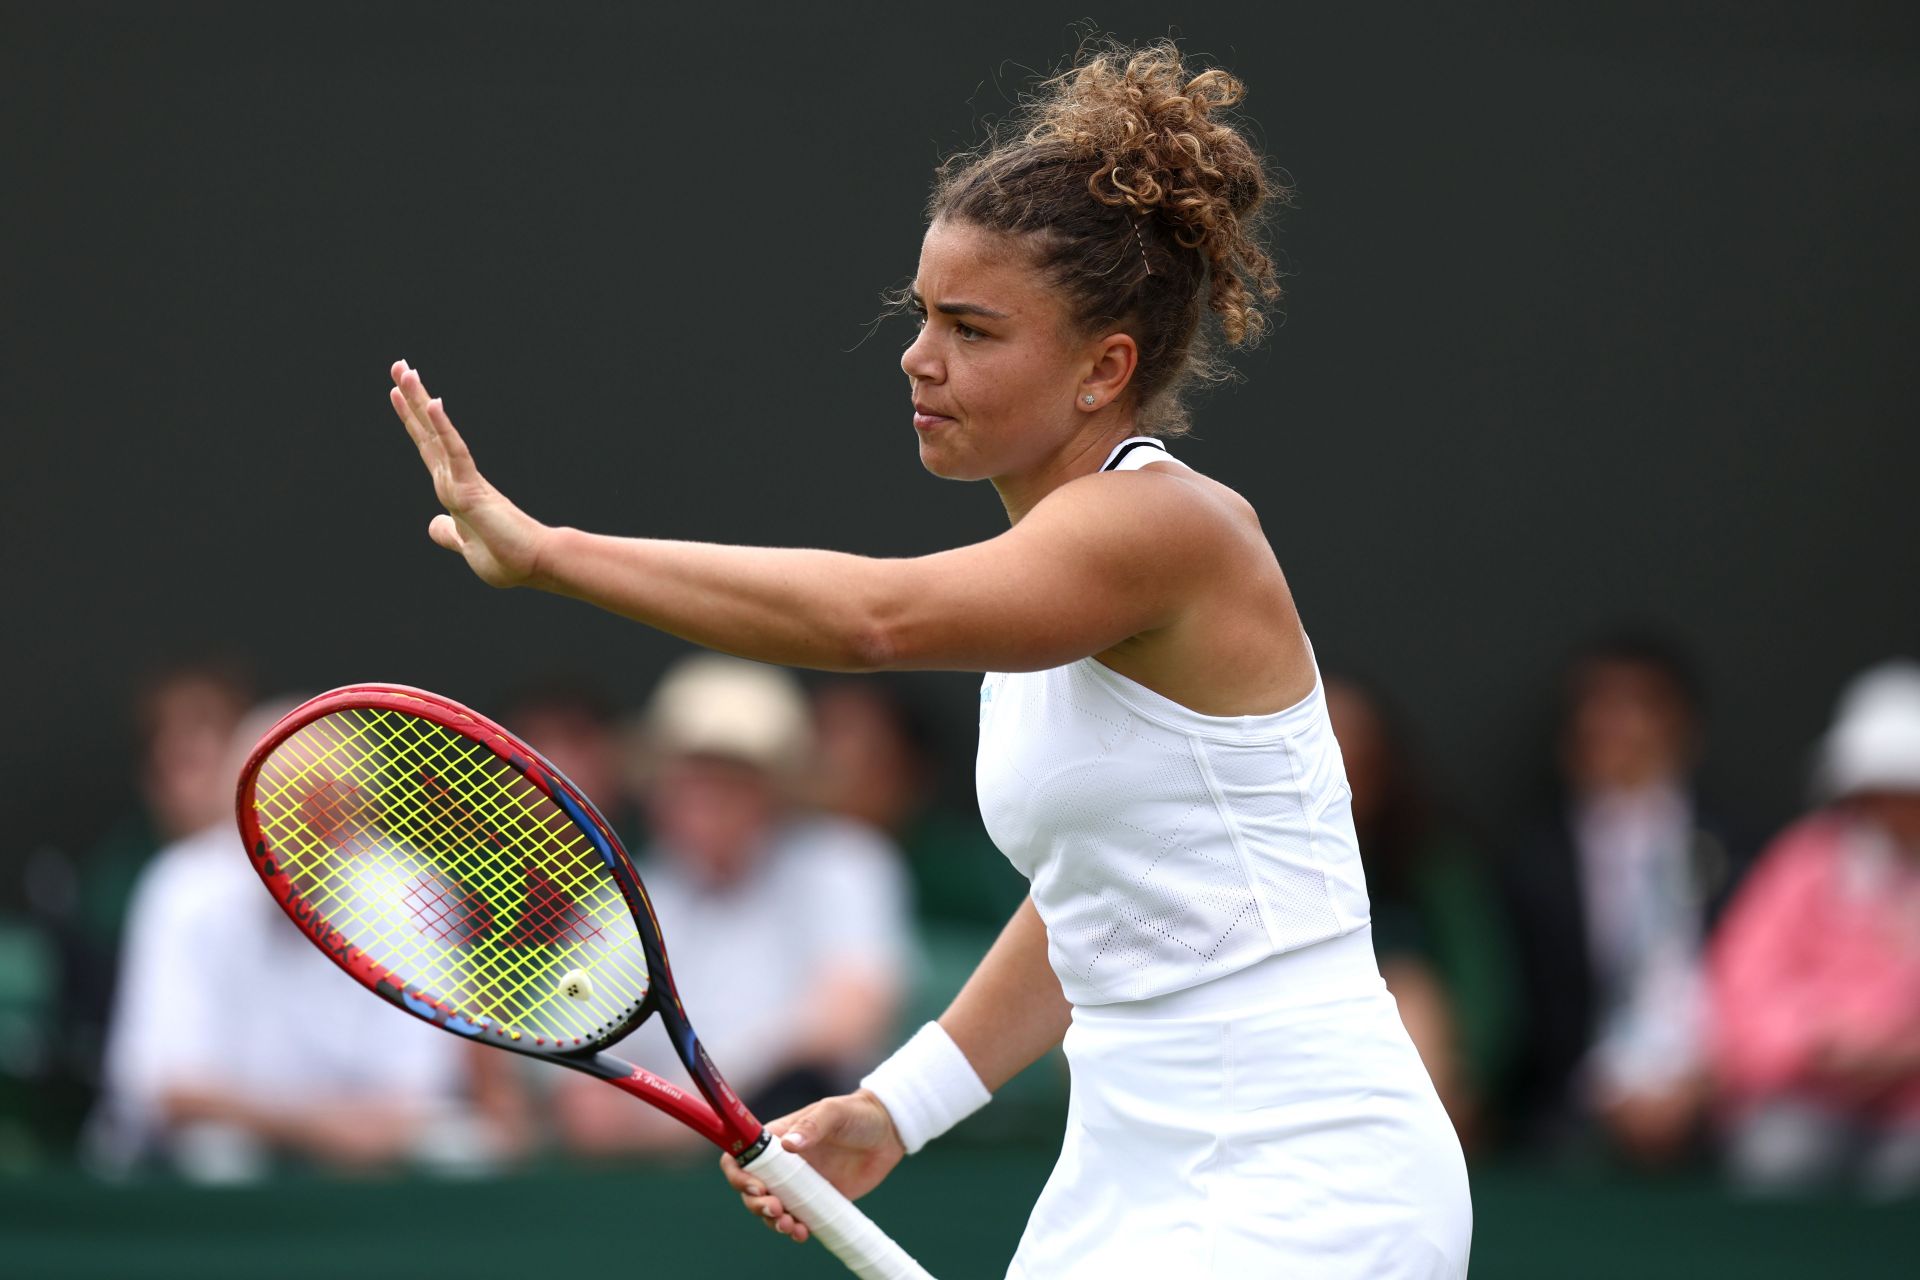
{"points": [[851, 1236]]}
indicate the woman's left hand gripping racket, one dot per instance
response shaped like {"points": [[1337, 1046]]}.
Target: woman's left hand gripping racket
{"points": [[446, 866]]}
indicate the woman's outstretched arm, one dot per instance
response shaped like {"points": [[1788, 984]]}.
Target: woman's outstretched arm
{"points": [[1077, 575]]}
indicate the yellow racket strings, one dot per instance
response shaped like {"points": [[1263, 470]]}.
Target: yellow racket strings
{"points": [[454, 873], [461, 934]]}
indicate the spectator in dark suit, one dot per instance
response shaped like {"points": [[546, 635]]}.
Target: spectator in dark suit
{"points": [[1612, 896]]}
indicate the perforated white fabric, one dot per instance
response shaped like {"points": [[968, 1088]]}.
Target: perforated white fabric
{"points": [[1165, 847]]}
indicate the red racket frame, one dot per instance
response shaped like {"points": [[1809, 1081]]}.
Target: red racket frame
{"points": [[717, 1115]]}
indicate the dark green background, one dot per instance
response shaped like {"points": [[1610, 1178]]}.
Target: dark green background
{"points": [[1595, 312]]}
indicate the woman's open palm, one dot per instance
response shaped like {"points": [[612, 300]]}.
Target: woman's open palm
{"points": [[499, 541]]}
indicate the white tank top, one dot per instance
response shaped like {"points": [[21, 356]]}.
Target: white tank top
{"points": [[1165, 847]]}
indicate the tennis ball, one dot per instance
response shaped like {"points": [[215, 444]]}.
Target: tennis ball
{"points": [[576, 985]]}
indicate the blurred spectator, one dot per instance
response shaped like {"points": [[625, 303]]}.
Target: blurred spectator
{"points": [[571, 723], [184, 720], [1611, 899], [1436, 919], [1816, 970], [875, 762], [235, 1041], [788, 933]]}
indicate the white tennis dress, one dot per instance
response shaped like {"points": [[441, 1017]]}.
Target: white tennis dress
{"points": [[1245, 1100]]}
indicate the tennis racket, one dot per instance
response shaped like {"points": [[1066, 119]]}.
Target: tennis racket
{"points": [[452, 871]]}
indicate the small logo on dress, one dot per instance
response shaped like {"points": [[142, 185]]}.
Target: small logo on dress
{"points": [[986, 693]]}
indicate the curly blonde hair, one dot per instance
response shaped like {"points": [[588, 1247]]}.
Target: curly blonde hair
{"points": [[1143, 200]]}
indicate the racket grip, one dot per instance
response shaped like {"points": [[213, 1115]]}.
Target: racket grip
{"points": [[869, 1252]]}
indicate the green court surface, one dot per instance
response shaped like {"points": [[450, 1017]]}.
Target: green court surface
{"points": [[960, 1212]]}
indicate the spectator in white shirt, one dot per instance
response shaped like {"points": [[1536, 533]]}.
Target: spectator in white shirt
{"points": [[787, 931], [235, 1042]]}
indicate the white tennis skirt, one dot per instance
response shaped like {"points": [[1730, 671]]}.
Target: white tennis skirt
{"points": [[1274, 1122]]}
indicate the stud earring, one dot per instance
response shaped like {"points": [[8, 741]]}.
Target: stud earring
{"points": [[1086, 399]]}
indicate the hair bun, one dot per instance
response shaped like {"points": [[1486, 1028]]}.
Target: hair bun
{"points": [[1166, 147], [1138, 198]]}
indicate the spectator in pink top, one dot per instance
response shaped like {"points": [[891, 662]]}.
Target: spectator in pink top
{"points": [[1815, 971]]}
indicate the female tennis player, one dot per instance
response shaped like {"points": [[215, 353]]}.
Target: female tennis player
{"points": [[1154, 747]]}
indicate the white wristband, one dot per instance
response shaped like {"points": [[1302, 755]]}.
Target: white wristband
{"points": [[927, 1086]]}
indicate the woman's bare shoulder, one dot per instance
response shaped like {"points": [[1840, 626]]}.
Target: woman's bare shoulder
{"points": [[1185, 522], [1166, 494]]}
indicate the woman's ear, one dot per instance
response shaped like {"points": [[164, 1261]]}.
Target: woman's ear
{"points": [[1114, 359]]}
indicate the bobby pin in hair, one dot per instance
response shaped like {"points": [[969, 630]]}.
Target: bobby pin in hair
{"points": [[1135, 224]]}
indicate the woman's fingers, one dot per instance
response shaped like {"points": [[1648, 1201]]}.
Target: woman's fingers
{"points": [[739, 1179], [777, 1216], [419, 429], [422, 435], [498, 541], [414, 389], [753, 1194], [428, 417], [414, 393], [785, 1223], [432, 432], [450, 441], [406, 380]]}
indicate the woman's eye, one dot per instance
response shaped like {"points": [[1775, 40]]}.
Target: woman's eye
{"points": [[965, 332]]}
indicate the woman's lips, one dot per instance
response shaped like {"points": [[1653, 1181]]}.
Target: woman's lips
{"points": [[928, 421]]}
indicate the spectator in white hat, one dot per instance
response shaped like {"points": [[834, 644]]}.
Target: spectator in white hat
{"points": [[789, 930], [1815, 971]]}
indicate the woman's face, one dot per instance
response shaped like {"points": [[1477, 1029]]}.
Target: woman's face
{"points": [[996, 367], [713, 814]]}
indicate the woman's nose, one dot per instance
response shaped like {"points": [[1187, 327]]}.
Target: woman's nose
{"points": [[917, 360]]}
